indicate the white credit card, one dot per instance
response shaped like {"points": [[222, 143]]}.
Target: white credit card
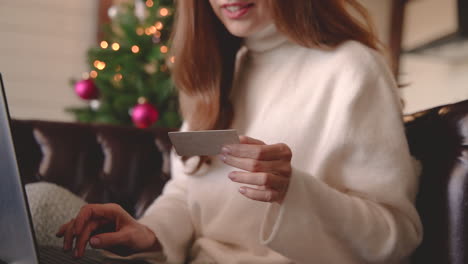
{"points": [[202, 143]]}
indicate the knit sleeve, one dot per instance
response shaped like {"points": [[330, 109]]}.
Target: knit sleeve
{"points": [[357, 207], [169, 218]]}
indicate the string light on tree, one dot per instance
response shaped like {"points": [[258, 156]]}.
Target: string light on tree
{"points": [[118, 77], [148, 31], [172, 59], [115, 46], [113, 11], [149, 3], [164, 12], [104, 44], [94, 104], [135, 49], [159, 25], [140, 31], [142, 100], [100, 65], [151, 68], [93, 74], [164, 49]]}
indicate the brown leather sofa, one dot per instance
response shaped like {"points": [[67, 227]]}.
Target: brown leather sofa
{"points": [[438, 138], [128, 166], [100, 163]]}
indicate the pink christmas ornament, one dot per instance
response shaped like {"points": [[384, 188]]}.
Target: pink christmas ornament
{"points": [[144, 115], [86, 89]]}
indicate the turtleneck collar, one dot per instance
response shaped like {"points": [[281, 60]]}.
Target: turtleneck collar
{"points": [[265, 40]]}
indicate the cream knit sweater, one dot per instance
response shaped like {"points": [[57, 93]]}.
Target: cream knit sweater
{"points": [[351, 194]]}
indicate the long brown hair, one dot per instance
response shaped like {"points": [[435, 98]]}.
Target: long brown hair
{"points": [[205, 51]]}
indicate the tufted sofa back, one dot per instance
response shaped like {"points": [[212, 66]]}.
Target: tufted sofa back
{"points": [[438, 138], [100, 163]]}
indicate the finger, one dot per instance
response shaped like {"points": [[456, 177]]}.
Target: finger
{"points": [[268, 195], [260, 152], [82, 238], [62, 230], [108, 240], [269, 180], [253, 165], [68, 237], [249, 140], [97, 211]]}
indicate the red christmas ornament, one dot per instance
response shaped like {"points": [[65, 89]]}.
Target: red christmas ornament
{"points": [[144, 115], [86, 89]]}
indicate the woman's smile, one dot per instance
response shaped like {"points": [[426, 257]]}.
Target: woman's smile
{"points": [[237, 10]]}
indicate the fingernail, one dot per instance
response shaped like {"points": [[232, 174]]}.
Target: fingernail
{"points": [[231, 176], [226, 150], [222, 157], [95, 241], [242, 190]]}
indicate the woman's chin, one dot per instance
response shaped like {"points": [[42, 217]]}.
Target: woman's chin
{"points": [[240, 32]]}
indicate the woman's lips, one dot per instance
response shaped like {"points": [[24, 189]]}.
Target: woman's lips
{"points": [[236, 10]]}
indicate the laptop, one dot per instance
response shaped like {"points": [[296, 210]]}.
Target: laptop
{"points": [[18, 244]]}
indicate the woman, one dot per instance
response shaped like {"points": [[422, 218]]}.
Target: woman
{"points": [[324, 176]]}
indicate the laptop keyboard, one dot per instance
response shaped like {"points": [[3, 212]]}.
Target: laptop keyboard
{"points": [[55, 255]]}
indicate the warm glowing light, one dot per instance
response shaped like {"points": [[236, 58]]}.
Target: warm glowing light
{"points": [[159, 25], [101, 65], [115, 46], [104, 44], [85, 75], [172, 59], [148, 31], [142, 100], [153, 29], [164, 12], [149, 3], [118, 77], [140, 31], [93, 74], [135, 49], [164, 49]]}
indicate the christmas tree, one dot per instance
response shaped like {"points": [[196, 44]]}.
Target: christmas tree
{"points": [[129, 80]]}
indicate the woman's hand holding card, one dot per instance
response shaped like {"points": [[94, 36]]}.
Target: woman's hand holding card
{"points": [[267, 168]]}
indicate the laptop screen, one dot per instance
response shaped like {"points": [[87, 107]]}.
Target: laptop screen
{"points": [[17, 245]]}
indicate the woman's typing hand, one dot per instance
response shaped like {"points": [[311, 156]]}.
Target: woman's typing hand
{"points": [[268, 168], [128, 235]]}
